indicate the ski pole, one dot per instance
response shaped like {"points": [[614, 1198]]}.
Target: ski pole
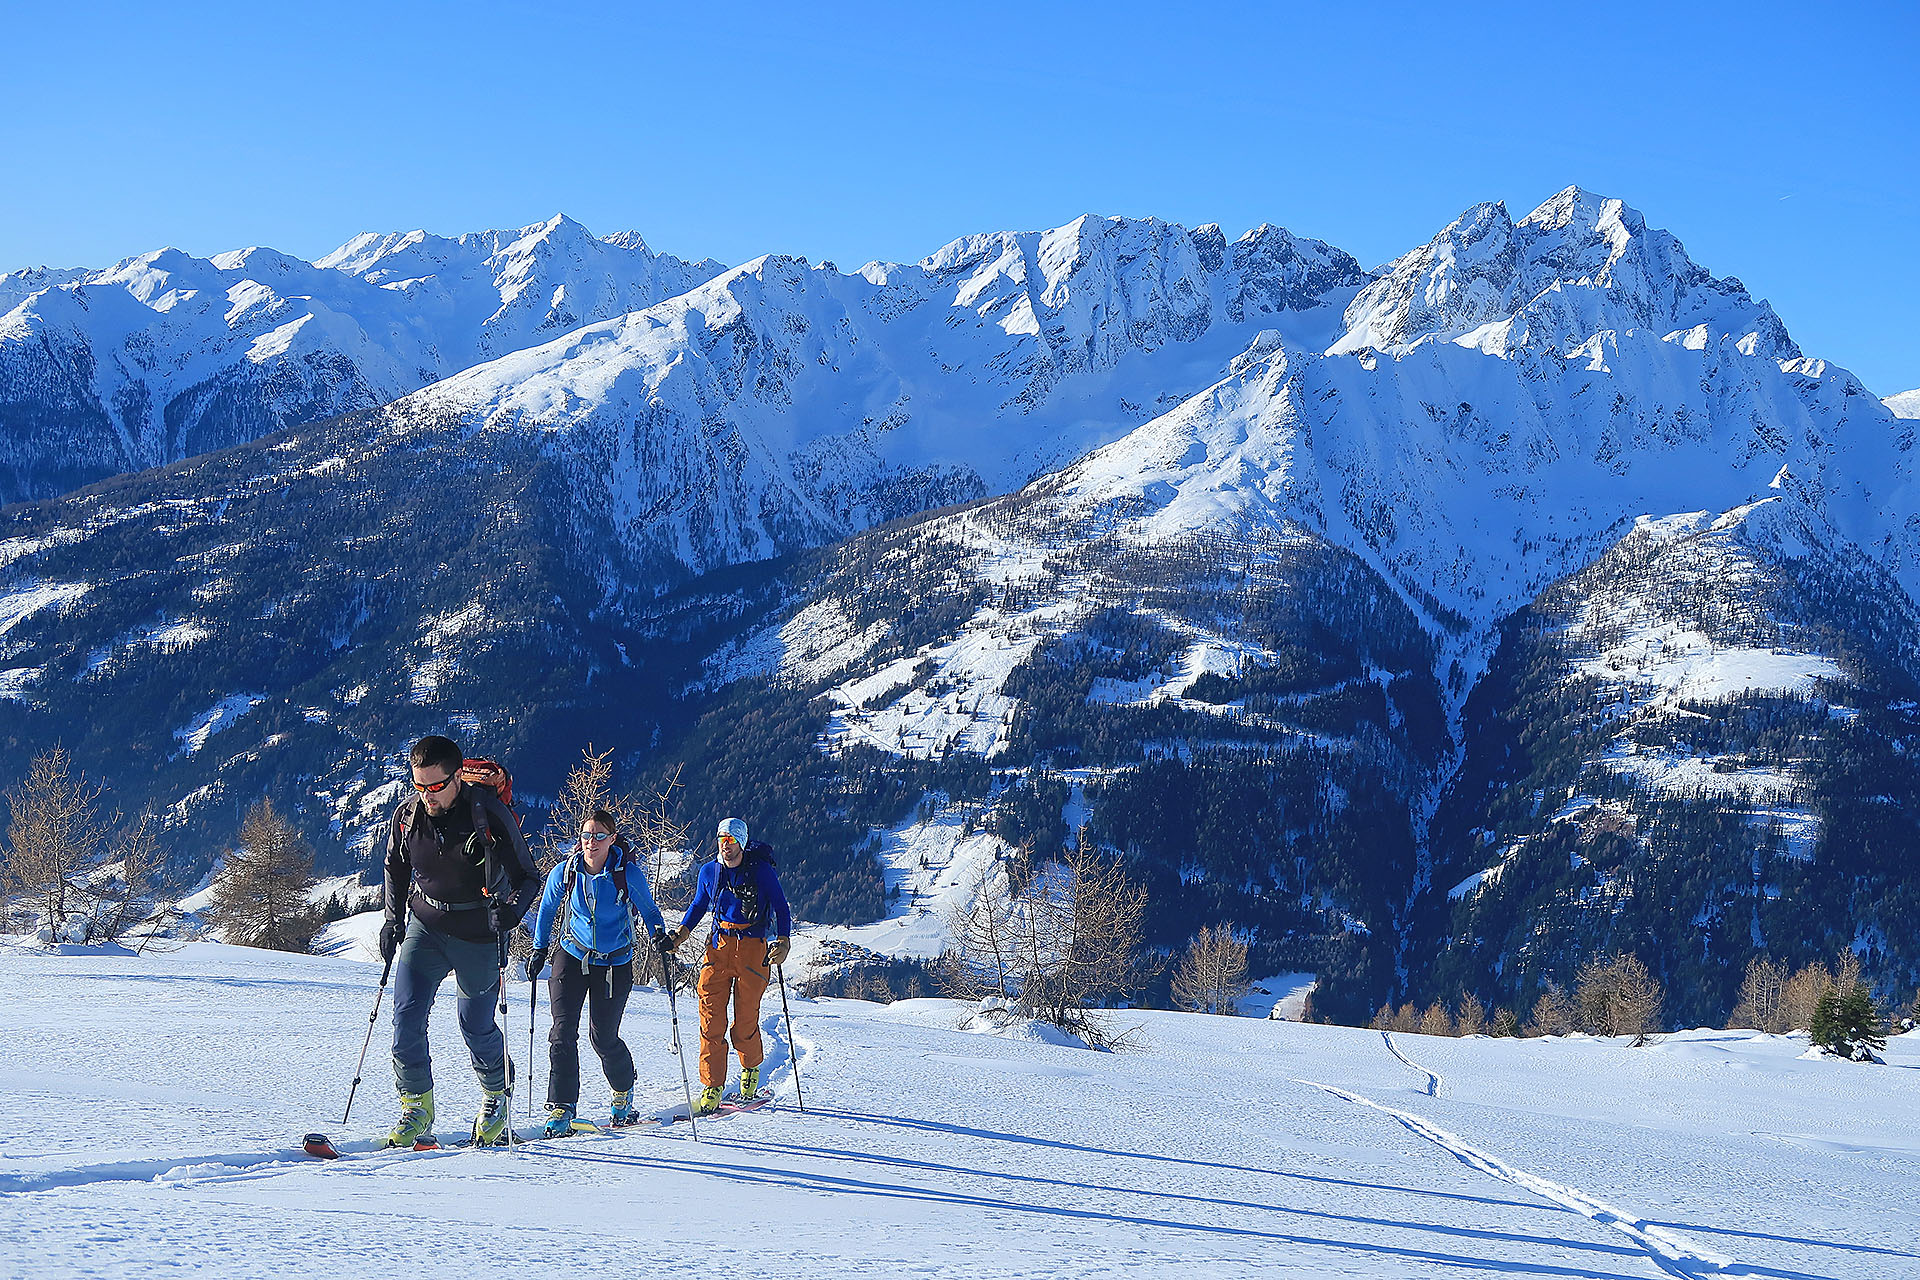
{"points": [[793, 1050], [673, 1009], [496, 893], [372, 1019], [503, 1035]]}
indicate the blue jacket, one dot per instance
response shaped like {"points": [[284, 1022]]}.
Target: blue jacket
{"points": [[599, 928], [720, 889]]}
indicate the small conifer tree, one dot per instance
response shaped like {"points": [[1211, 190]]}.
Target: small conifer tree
{"points": [[260, 895], [1847, 1025]]}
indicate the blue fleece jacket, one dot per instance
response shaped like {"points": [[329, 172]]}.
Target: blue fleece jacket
{"points": [[599, 929], [719, 889]]}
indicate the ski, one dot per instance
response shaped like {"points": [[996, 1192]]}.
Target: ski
{"points": [[320, 1147], [522, 1138], [727, 1107]]}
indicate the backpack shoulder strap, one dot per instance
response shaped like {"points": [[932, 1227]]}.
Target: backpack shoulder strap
{"points": [[565, 920]]}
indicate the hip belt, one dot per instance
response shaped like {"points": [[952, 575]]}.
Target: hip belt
{"points": [[448, 906]]}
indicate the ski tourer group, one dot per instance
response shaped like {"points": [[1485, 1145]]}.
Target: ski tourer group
{"points": [[460, 880]]}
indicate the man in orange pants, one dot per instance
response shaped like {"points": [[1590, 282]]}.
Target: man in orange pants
{"points": [[752, 932]]}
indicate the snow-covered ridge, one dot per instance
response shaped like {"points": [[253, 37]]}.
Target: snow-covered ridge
{"points": [[1577, 266], [165, 355], [783, 403]]}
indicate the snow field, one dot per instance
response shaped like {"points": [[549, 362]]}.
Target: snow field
{"points": [[150, 1109]]}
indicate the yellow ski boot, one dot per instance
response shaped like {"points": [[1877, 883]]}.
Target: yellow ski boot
{"points": [[415, 1126]]}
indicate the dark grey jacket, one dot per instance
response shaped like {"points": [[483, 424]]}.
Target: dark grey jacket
{"points": [[438, 871]]}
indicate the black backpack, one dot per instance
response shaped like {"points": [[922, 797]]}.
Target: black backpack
{"points": [[746, 888]]}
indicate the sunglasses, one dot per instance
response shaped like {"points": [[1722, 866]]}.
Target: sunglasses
{"points": [[434, 788], [596, 836]]}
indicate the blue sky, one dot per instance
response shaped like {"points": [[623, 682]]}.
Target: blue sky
{"points": [[1778, 143]]}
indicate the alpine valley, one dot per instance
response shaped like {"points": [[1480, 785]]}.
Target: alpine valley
{"points": [[1529, 598]]}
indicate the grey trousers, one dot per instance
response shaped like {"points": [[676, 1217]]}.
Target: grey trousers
{"points": [[425, 958]]}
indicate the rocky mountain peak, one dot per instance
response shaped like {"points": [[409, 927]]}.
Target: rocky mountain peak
{"points": [[1577, 266]]}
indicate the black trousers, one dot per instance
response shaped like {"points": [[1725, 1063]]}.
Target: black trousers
{"points": [[569, 988]]}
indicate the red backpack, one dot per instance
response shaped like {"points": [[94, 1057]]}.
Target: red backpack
{"points": [[488, 773]]}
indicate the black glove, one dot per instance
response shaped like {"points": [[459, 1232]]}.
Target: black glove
{"points": [[662, 943], [390, 934], [536, 962], [500, 915]]}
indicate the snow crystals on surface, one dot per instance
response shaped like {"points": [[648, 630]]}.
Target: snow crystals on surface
{"points": [[1220, 1147]]}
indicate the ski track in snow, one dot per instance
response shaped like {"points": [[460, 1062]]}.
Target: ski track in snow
{"points": [[1670, 1251], [365, 1157], [1433, 1080]]}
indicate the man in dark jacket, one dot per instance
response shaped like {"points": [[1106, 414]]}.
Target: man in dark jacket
{"points": [[459, 867]]}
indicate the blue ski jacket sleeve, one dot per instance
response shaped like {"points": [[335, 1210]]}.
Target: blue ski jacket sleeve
{"points": [[599, 927], [731, 892]]}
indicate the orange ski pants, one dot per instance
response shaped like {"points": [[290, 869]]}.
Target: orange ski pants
{"points": [[736, 969]]}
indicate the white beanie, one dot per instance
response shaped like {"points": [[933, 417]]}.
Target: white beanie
{"points": [[734, 827]]}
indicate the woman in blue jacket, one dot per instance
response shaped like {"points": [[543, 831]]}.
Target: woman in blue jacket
{"points": [[596, 891]]}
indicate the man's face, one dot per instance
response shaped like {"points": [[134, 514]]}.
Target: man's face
{"points": [[730, 851], [438, 788]]}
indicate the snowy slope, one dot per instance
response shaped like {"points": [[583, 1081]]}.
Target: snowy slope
{"points": [[923, 1148], [1904, 405], [1629, 702]]}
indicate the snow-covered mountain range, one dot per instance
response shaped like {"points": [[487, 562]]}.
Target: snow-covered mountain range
{"points": [[783, 405], [1246, 530], [166, 355]]}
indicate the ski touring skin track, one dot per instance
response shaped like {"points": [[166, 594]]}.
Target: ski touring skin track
{"points": [[1665, 1247], [321, 1147]]}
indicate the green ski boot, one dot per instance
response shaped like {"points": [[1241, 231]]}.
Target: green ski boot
{"points": [[749, 1083], [709, 1101], [415, 1126], [490, 1126]]}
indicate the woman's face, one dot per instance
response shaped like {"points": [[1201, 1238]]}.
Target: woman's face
{"points": [[595, 841]]}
